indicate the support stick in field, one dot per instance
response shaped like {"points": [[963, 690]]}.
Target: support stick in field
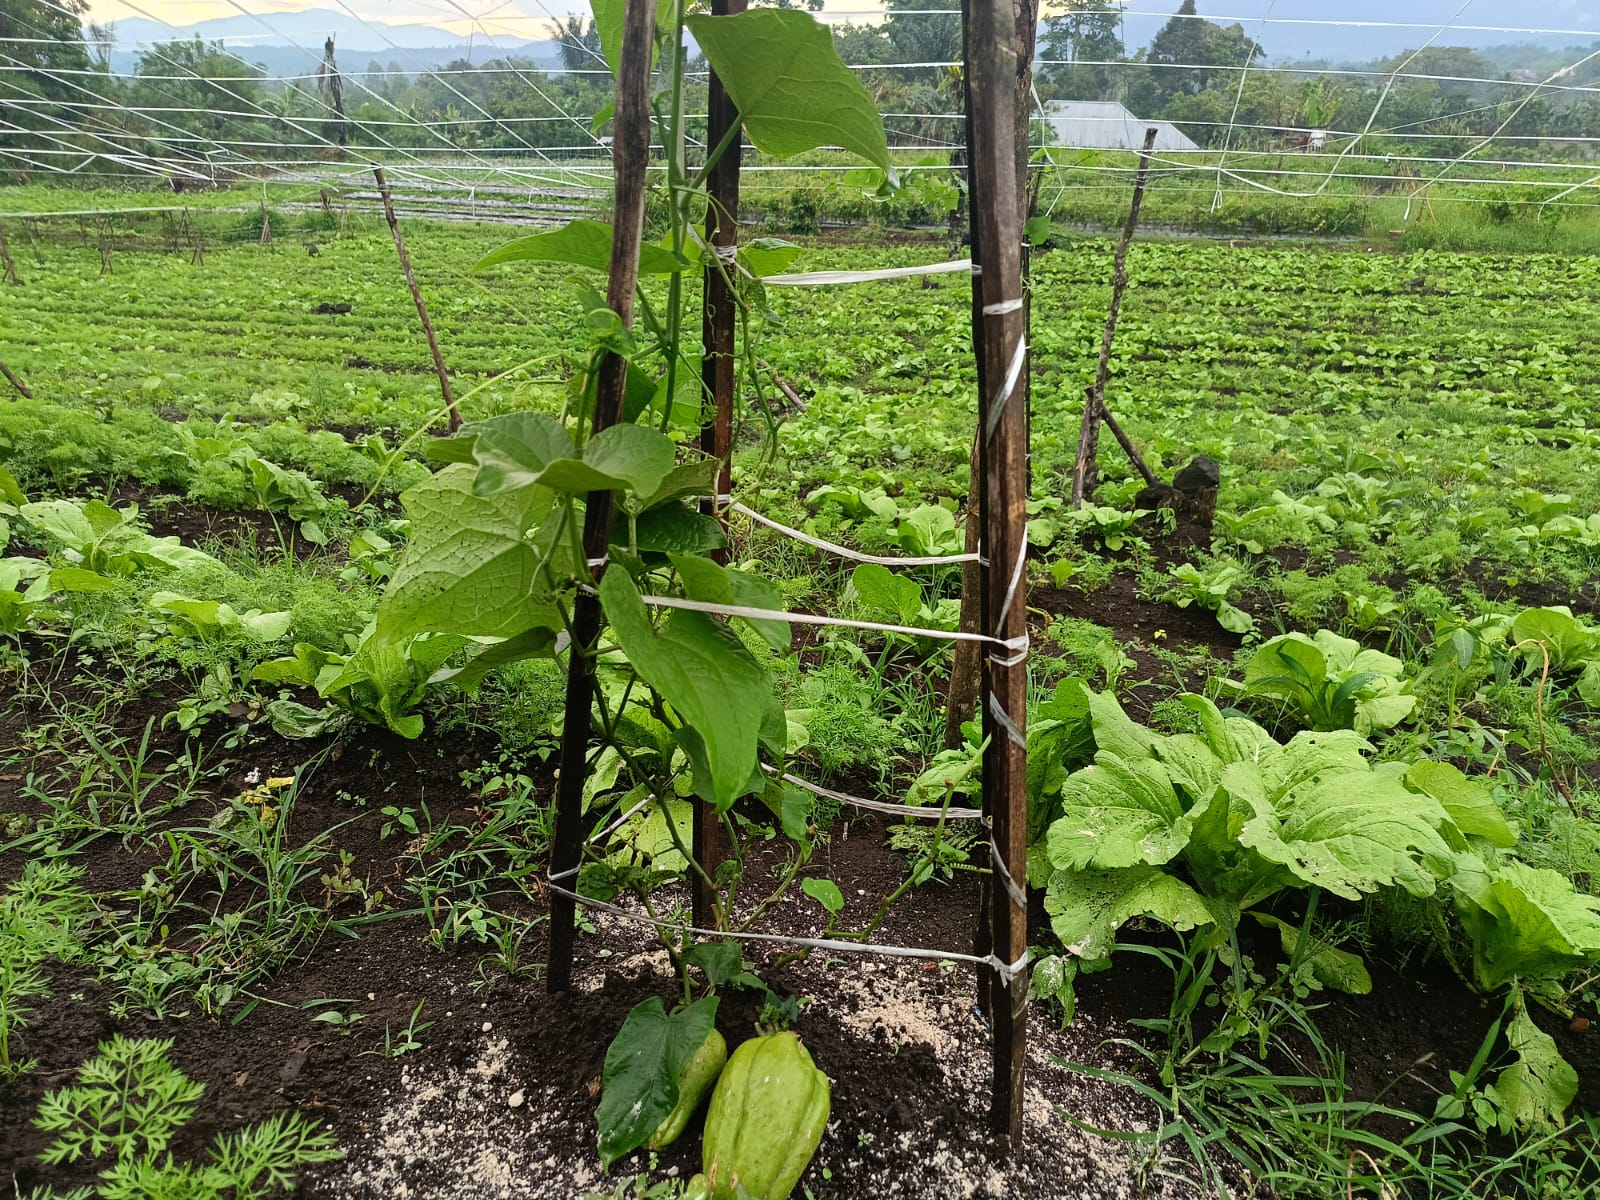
{"points": [[962, 696], [6, 261], [1000, 314], [1094, 410], [14, 381], [631, 158], [416, 296], [719, 321]]}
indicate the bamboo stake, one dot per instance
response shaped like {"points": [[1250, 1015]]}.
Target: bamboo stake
{"points": [[991, 49], [1094, 411], [631, 157], [416, 296], [719, 318]]}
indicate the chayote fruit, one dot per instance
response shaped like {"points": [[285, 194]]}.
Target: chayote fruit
{"points": [[694, 1081], [766, 1119]]}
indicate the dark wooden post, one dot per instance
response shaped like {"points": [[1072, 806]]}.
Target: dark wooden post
{"points": [[718, 377], [416, 297], [631, 158], [991, 46]]}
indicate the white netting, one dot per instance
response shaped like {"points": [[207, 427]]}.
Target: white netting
{"points": [[503, 132]]}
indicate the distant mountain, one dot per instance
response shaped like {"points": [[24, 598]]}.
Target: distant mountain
{"points": [[291, 43], [1372, 29]]}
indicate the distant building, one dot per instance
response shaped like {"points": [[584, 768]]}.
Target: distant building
{"points": [[1106, 125]]}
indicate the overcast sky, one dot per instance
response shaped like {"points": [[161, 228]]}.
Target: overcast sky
{"points": [[531, 18]]}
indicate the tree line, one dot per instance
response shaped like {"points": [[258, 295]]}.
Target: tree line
{"points": [[192, 101]]}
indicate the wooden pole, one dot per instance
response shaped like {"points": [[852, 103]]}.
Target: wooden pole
{"points": [[416, 296], [991, 47], [14, 381], [6, 261], [1095, 409], [631, 158], [961, 697], [718, 378]]}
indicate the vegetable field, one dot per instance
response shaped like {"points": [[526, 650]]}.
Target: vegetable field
{"points": [[1310, 790]]}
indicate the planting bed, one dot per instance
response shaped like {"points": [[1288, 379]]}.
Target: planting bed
{"points": [[1408, 452]]}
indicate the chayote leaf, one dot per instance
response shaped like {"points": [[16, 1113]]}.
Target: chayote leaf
{"points": [[643, 1063], [700, 668], [792, 90], [583, 243]]}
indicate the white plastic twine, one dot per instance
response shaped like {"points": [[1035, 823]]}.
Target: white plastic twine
{"points": [[1007, 971], [803, 618], [845, 551], [922, 812], [823, 278]]}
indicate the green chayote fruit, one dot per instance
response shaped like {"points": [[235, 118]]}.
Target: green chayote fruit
{"points": [[694, 1081], [766, 1120]]}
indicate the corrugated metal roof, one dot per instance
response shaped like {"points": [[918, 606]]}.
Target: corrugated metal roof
{"points": [[1107, 125]]}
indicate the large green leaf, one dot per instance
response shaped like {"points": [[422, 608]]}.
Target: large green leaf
{"points": [[643, 1063], [700, 668], [583, 243], [1309, 756], [1114, 730], [470, 567], [886, 595], [1087, 908], [672, 527], [792, 90], [525, 449], [608, 22], [1470, 804], [1118, 813], [625, 456], [712, 583], [1352, 832], [1232, 739], [1568, 640], [1535, 1090], [1329, 965], [1525, 922], [510, 450], [64, 520]]}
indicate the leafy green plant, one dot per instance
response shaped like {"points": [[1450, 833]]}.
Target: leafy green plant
{"points": [[1282, 519], [1564, 643], [1098, 525], [39, 917], [1243, 816], [214, 621], [1331, 682], [129, 1102], [1210, 589], [107, 541]]}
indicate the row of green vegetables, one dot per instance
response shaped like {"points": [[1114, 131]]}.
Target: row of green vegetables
{"points": [[1196, 829]]}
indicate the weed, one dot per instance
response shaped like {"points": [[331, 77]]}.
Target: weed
{"points": [[129, 1102]]}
